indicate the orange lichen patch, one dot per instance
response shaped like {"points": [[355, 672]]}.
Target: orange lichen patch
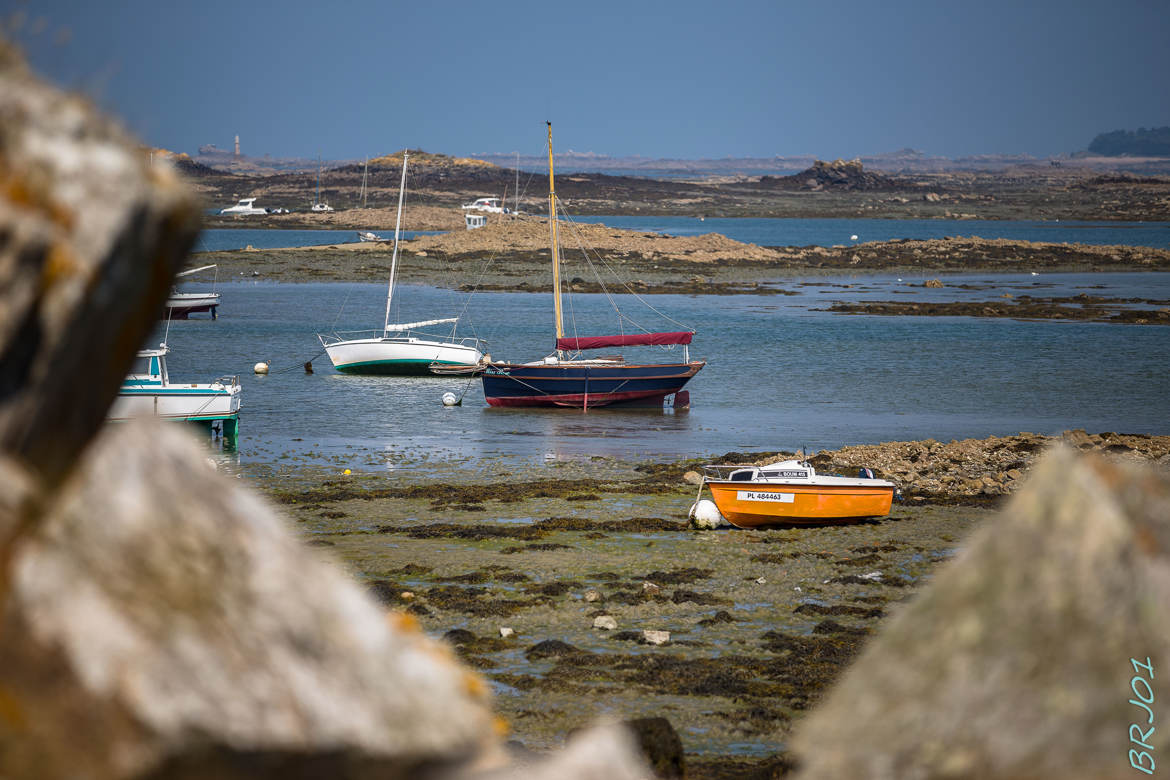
{"points": [[23, 193], [165, 153], [501, 726], [11, 712], [60, 264], [475, 686], [1147, 541], [403, 621]]}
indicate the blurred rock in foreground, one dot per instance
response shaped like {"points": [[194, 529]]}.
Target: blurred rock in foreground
{"points": [[90, 238], [1015, 662], [158, 610]]}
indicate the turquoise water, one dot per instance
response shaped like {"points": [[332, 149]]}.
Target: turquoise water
{"points": [[780, 374]]}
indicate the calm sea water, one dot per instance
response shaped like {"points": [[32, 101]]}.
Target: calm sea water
{"points": [[225, 239], [828, 232], [768, 232], [780, 374]]}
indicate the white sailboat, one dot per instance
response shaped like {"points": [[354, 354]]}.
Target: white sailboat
{"points": [[401, 348], [318, 206]]}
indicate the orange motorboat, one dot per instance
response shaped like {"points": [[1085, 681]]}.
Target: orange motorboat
{"points": [[791, 492]]}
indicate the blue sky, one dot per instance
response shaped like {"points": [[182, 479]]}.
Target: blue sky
{"points": [[659, 79]]}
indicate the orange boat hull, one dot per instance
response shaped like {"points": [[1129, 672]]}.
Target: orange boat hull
{"points": [[754, 504]]}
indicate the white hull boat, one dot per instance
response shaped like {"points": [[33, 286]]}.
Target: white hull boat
{"points": [[490, 205], [180, 305], [399, 348], [403, 355], [148, 392], [244, 209]]}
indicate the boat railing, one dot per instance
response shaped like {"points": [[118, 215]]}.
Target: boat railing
{"points": [[228, 381], [351, 335], [722, 471]]}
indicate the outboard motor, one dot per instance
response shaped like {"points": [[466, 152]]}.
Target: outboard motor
{"points": [[865, 474]]}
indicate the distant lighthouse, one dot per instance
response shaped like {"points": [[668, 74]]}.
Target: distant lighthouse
{"points": [[237, 146]]}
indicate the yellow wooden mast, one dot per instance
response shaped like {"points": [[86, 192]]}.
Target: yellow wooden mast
{"points": [[552, 226]]}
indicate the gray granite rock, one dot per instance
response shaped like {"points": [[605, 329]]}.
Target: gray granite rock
{"points": [[1016, 660], [91, 236], [161, 612]]}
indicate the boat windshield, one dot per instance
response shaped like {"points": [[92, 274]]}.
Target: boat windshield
{"points": [[140, 366]]}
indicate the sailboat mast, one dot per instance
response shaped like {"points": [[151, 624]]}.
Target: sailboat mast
{"points": [[318, 198], [552, 226], [394, 257], [365, 179]]}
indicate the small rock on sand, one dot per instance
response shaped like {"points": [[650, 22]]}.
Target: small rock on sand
{"points": [[652, 637]]}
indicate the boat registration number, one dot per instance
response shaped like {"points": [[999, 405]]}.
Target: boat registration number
{"points": [[753, 495]]}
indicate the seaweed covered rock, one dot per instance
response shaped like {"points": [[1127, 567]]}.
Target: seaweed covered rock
{"points": [[1019, 659]]}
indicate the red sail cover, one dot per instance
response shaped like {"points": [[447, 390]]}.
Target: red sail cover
{"points": [[629, 340]]}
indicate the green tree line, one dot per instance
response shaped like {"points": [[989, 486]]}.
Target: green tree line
{"points": [[1151, 142]]}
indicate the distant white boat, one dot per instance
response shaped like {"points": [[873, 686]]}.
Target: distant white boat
{"points": [[399, 348], [147, 391], [244, 208], [474, 221], [490, 205], [368, 236], [318, 206], [180, 305]]}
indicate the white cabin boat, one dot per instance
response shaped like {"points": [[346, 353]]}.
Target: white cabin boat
{"points": [[490, 205], [244, 209], [368, 236], [148, 391], [399, 348], [474, 221]]}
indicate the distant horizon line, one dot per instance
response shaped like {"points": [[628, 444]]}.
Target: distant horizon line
{"points": [[905, 152]]}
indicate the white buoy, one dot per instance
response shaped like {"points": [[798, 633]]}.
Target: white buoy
{"points": [[705, 515], [450, 399], [853, 237], [261, 367]]}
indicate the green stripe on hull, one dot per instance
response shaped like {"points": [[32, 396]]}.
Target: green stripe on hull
{"points": [[395, 367]]}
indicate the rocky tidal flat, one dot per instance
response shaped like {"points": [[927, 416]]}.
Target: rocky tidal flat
{"points": [[584, 599]]}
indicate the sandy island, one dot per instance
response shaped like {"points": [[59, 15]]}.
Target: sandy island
{"points": [[511, 254]]}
